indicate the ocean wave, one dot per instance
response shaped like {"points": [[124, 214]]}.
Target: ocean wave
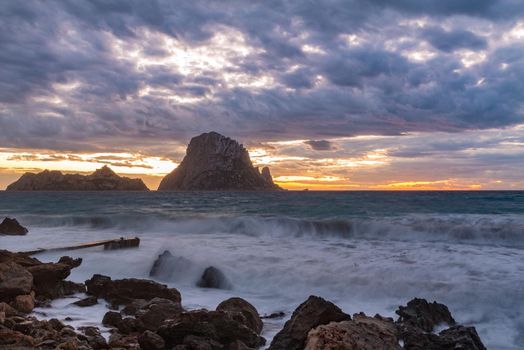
{"points": [[481, 229]]}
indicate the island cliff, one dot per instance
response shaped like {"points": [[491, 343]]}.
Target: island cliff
{"points": [[214, 162], [103, 179]]}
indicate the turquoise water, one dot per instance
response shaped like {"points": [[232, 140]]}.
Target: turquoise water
{"points": [[366, 251]]}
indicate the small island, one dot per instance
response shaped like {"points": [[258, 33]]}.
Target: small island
{"points": [[214, 162], [103, 179]]}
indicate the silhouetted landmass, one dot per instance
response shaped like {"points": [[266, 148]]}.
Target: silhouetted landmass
{"points": [[214, 162], [103, 179]]}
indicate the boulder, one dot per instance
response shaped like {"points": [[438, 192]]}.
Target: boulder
{"points": [[243, 312], [421, 314], [49, 279], [24, 303], [103, 179], [214, 278], [126, 290], [312, 313], [214, 162], [216, 326], [12, 227], [111, 318], [361, 333], [151, 341], [460, 337], [14, 280]]}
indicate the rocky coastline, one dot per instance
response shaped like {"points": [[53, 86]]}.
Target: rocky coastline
{"points": [[145, 314]]}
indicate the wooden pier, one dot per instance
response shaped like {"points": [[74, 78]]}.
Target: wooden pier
{"points": [[110, 244]]}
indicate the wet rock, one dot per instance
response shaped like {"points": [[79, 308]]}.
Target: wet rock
{"points": [[151, 341], [12, 227], [14, 280], [242, 311], [125, 291], [94, 338], [89, 301], [154, 313], [120, 341], [314, 312], [457, 337], [460, 337], [71, 262], [361, 333], [214, 278], [421, 314], [112, 318], [213, 325], [166, 266], [24, 303], [49, 278], [130, 325]]}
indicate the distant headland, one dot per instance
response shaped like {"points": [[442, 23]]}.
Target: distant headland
{"points": [[103, 179], [214, 162]]}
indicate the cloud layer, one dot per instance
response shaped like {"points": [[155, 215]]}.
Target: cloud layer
{"points": [[144, 76]]}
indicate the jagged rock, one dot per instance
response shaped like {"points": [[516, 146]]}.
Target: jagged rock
{"points": [[20, 259], [361, 333], [14, 280], [103, 179], [216, 326], [460, 337], [12, 227], [457, 337], [89, 301], [243, 312], [166, 266], [214, 162], [312, 313], [69, 261], [125, 291], [419, 313], [49, 278], [151, 341], [214, 278], [156, 311]]}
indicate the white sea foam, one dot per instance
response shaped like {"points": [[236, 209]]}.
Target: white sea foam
{"points": [[274, 267]]}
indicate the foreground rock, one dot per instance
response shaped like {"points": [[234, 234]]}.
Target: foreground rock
{"points": [[103, 179], [25, 281], [12, 227], [124, 291], [421, 314], [243, 312], [361, 333], [214, 162], [314, 312], [209, 330]]}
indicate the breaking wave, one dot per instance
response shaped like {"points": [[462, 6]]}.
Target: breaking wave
{"points": [[477, 229]]}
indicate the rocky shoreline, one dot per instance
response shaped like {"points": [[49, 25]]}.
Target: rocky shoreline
{"points": [[144, 314]]}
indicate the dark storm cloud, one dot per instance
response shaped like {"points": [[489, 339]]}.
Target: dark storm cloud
{"points": [[449, 41], [71, 75], [320, 145]]}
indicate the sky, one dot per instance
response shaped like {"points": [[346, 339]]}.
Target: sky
{"points": [[333, 95]]}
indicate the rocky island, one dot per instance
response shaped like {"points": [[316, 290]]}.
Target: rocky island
{"points": [[103, 179], [214, 162]]}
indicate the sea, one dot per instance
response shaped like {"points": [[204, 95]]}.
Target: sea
{"points": [[364, 251]]}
